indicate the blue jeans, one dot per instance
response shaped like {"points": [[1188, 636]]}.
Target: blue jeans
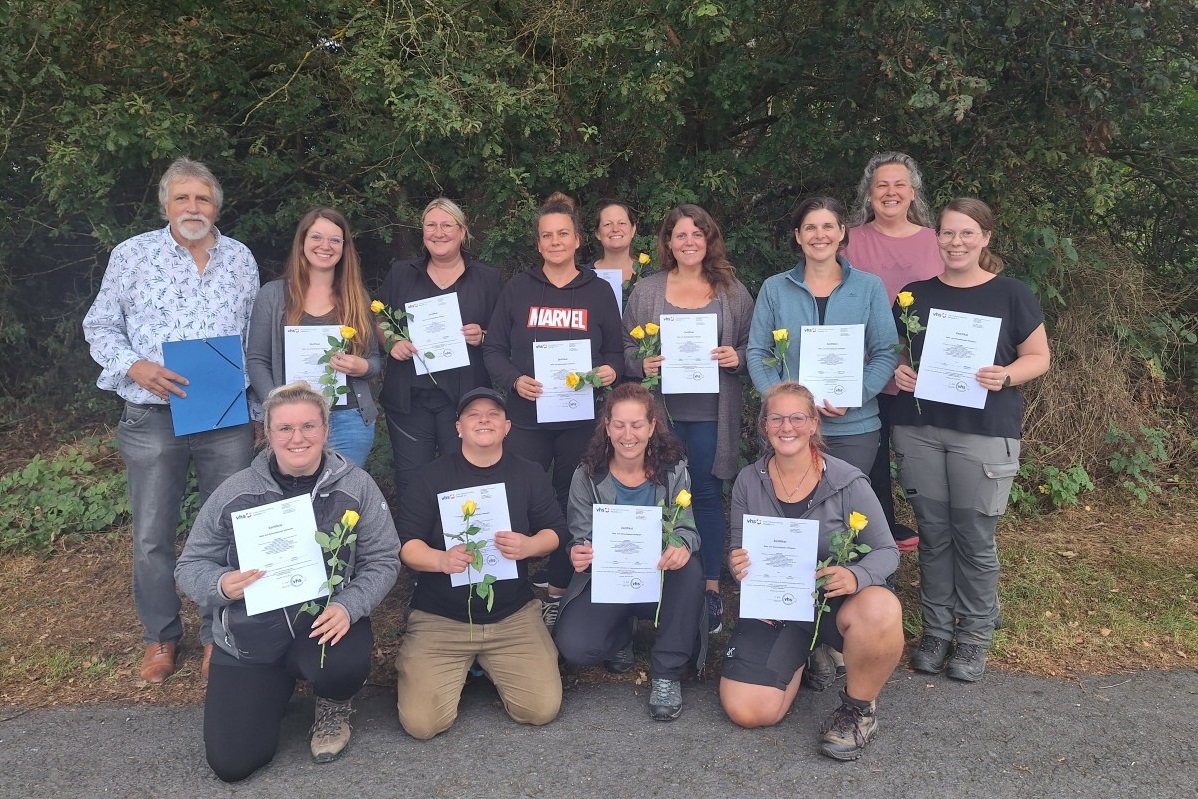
{"points": [[707, 492], [350, 436], [157, 462]]}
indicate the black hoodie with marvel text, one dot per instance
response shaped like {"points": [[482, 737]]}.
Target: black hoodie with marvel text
{"points": [[531, 309]]}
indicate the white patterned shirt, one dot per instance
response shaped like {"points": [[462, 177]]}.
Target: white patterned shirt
{"points": [[153, 292]]}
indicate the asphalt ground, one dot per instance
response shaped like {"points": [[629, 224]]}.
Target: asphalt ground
{"points": [[1009, 736]]}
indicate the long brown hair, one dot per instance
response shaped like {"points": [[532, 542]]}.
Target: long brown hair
{"points": [[717, 271], [663, 451], [979, 212], [808, 399], [351, 306]]}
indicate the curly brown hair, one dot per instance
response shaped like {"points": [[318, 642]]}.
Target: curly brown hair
{"points": [[663, 452]]}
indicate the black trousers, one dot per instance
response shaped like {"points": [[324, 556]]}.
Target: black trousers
{"points": [[561, 450], [245, 703], [588, 633], [426, 431]]}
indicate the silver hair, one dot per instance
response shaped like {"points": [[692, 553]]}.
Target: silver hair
{"points": [[920, 212], [184, 169]]}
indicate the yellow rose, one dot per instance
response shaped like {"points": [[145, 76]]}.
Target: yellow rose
{"points": [[857, 521], [349, 518], [348, 332], [781, 334], [643, 259], [637, 332], [376, 306], [905, 299], [572, 380], [683, 500], [652, 329], [469, 507]]}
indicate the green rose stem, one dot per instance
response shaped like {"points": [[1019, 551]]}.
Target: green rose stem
{"points": [[331, 543], [845, 550]]}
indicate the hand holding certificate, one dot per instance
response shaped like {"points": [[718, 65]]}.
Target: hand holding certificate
{"points": [[489, 514], [552, 362], [686, 343], [955, 347], [782, 559], [627, 543], [832, 363], [280, 540], [435, 325], [303, 347]]}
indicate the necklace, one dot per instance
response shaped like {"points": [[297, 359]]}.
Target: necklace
{"points": [[781, 482]]}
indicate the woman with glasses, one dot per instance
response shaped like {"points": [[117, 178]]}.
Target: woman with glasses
{"points": [[892, 237], [957, 463], [421, 408], [258, 659], [765, 658], [696, 278], [321, 285]]}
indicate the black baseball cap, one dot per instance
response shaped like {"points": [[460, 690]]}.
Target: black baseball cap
{"points": [[481, 393]]}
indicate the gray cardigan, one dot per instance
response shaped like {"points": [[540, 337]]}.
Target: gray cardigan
{"points": [[264, 353], [842, 489], [645, 304]]}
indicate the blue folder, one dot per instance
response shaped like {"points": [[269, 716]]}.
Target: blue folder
{"points": [[216, 372]]}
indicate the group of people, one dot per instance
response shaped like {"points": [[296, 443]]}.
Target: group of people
{"points": [[475, 427]]}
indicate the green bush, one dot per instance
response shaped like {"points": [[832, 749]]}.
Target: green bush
{"points": [[80, 490]]}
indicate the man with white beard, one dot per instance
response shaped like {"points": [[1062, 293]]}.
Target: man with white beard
{"points": [[183, 282]]}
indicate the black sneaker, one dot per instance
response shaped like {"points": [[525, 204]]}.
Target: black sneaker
{"points": [[844, 734], [820, 673], [930, 656], [549, 610], [715, 612], [622, 661], [541, 579], [968, 663], [665, 700]]}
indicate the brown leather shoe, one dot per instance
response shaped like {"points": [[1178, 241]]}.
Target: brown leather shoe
{"points": [[206, 664], [159, 662]]}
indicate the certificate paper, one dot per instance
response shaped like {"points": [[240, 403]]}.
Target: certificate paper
{"points": [[491, 516], [832, 363], [686, 342], [627, 542], [782, 558], [303, 347], [954, 348], [435, 325], [615, 279], [551, 362], [280, 539]]}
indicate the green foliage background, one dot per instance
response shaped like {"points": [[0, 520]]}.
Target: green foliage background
{"points": [[1076, 120]]}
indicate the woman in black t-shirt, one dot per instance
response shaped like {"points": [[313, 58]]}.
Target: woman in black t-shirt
{"points": [[956, 462]]}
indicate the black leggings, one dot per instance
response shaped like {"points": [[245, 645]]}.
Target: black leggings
{"points": [[245, 703], [563, 449]]}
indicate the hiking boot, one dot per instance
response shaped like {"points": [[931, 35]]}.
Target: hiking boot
{"points": [[622, 661], [715, 612], [549, 610], [331, 731], [844, 734], [820, 673], [930, 656], [665, 700], [968, 663]]}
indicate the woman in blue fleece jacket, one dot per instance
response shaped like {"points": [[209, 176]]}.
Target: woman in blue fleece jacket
{"points": [[824, 289]]}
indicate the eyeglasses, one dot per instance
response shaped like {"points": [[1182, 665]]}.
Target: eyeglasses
{"points": [[307, 430], [966, 236], [774, 420], [318, 238], [444, 227]]}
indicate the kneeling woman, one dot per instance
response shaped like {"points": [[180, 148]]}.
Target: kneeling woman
{"points": [[634, 460], [765, 657], [258, 658]]}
